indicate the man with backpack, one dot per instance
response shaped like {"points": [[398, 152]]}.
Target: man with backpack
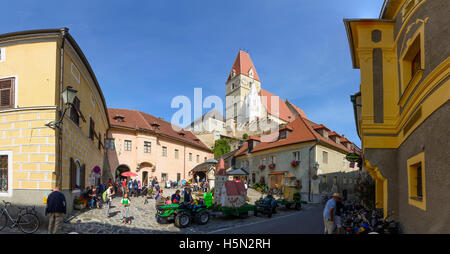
{"points": [[107, 197]]}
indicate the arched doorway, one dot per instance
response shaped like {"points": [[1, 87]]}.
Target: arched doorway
{"points": [[199, 176], [121, 169], [144, 178]]}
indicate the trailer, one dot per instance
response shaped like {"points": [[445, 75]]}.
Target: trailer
{"points": [[241, 212], [296, 204]]}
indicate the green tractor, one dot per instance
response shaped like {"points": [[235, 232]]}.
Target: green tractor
{"points": [[183, 214]]}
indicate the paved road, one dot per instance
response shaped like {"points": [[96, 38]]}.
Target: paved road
{"points": [[306, 221]]}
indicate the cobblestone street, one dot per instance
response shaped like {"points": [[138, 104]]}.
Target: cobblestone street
{"points": [[144, 222]]}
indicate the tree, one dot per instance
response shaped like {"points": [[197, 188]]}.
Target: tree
{"points": [[221, 147], [245, 136]]}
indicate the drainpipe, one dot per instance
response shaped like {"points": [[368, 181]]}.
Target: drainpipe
{"points": [[64, 32], [309, 170]]}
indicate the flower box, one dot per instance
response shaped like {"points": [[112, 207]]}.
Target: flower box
{"points": [[79, 203], [262, 167], [295, 163], [272, 166]]}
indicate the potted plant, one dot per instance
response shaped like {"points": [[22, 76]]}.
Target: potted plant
{"points": [[272, 166], [295, 163], [262, 167], [79, 203]]}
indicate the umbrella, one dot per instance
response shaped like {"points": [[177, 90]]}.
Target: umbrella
{"points": [[128, 173]]}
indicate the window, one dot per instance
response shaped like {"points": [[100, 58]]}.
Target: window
{"points": [[283, 134], [296, 155], [77, 174], [5, 174], [127, 145], [164, 176], [205, 158], [415, 64], [198, 158], [411, 63], [273, 159], [110, 145], [7, 93], [416, 181], [232, 86], [190, 156], [75, 72], [2, 54], [263, 161], [176, 153], [164, 151], [147, 147], [100, 144], [74, 113], [91, 128], [324, 179], [325, 157]]}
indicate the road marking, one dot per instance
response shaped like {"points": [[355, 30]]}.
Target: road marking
{"points": [[253, 223]]}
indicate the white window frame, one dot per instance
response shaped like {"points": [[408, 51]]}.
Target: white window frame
{"points": [[2, 54], [10, 174], [73, 74], [295, 155]]}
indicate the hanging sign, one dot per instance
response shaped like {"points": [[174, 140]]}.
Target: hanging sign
{"points": [[96, 170], [352, 157]]}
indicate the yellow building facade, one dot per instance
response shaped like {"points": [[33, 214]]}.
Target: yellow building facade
{"points": [[402, 109], [35, 67]]}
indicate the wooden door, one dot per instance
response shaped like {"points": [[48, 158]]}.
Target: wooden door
{"points": [[276, 180]]}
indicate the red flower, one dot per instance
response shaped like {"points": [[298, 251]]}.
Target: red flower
{"points": [[272, 166]]}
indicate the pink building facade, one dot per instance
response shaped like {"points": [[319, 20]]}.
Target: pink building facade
{"points": [[149, 147]]}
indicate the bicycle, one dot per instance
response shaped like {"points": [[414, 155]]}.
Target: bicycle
{"points": [[26, 219]]}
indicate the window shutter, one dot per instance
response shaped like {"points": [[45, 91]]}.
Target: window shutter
{"points": [[82, 176], [6, 93], [72, 174]]}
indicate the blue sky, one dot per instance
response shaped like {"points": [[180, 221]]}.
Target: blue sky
{"points": [[144, 53]]}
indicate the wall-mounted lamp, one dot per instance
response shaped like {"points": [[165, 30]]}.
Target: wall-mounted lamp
{"points": [[68, 96]]}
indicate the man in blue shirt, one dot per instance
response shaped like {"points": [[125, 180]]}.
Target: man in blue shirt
{"points": [[56, 207], [329, 212]]}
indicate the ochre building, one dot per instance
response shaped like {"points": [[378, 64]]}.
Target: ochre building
{"points": [[402, 110], [151, 147], [35, 67]]}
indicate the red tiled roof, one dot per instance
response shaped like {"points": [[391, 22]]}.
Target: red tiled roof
{"points": [[344, 140], [302, 132], [138, 120], [319, 126], [283, 112], [333, 133], [299, 111], [242, 150], [253, 138], [242, 65]]}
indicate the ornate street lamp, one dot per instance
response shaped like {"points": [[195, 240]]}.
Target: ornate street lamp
{"points": [[68, 96]]}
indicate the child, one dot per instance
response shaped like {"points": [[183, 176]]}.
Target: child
{"points": [[125, 202], [168, 201]]}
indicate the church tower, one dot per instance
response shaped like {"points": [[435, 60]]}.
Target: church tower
{"points": [[242, 78]]}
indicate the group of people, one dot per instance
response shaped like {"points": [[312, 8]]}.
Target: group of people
{"points": [[332, 214], [126, 188], [175, 198]]}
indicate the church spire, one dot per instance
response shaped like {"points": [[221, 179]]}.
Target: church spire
{"points": [[243, 65]]}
